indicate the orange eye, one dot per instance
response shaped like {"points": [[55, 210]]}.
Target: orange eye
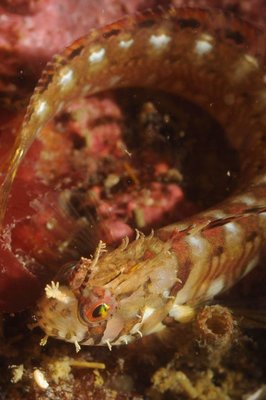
{"points": [[94, 312]]}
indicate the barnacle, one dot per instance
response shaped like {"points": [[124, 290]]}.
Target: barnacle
{"points": [[215, 326], [216, 330]]}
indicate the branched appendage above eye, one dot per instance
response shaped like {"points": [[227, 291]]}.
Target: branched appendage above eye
{"points": [[75, 274], [53, 291], [101, 248], [84, 268]]}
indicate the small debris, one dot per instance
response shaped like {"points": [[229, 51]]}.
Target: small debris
{"points": [[17, 372], [40, 379], [86, 364], [175, 381], [111, 181]]}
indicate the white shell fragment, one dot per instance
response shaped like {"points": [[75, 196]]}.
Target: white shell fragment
{"points": [[40, 379]]}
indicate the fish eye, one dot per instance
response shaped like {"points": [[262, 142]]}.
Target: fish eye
{"points": [[94, 312], [101, 311]]}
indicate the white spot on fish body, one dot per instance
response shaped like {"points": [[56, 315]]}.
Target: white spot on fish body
{"points": [[203, 45], [66, 76], [196, 241], [159, 41], [97, 56], [215, 287], [125, 44], [245, 199], [41, 107], [233, 228]]}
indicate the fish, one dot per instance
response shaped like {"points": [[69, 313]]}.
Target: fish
{"points": [[217, 62]]}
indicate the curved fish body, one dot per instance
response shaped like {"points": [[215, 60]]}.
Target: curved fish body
{"points": [[218, 63]]}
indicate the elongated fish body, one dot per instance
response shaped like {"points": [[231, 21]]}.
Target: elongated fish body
{"points": [[218, 63]]}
